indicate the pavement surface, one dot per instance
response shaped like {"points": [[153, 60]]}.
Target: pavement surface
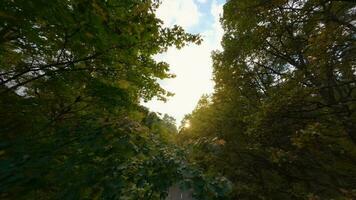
{"points": [[175, 193]]}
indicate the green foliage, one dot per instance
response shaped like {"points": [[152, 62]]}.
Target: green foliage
{"points": [[281, 123], [72, 74]]}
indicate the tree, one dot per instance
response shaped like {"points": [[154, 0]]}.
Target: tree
{"points": [[282, 117], [72, 74]]}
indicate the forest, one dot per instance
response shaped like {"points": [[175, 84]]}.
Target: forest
{"points": [[280, 124]]}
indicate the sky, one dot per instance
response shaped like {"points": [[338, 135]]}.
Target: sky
{"points": [[192, 64]]}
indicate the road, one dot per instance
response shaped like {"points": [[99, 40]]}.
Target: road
{"points": [[175, 193]]}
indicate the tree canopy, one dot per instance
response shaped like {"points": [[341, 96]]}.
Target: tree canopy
{"points": [[72, 76], [281, 122]]}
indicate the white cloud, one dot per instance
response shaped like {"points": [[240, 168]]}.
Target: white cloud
{"points": [[192, 64], [182, 12], [202, 1], [215, 33]]}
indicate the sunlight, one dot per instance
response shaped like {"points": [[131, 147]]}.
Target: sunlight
{"points": [[187, 125], [196, 17]]}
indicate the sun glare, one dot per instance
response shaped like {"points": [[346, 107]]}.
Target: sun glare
{"points": [[187, 125]]}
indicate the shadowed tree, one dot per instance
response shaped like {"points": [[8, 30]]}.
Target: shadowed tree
{"points": [[282, 118]]}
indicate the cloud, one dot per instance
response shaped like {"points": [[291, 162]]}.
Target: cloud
{"points": [[214, 34], [192, 64], [182, 12], [202, 1]]}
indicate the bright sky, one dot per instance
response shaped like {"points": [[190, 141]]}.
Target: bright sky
{"points": [[192, 65]]}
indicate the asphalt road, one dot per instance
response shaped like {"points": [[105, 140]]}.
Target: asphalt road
{"points": [[175, 193]]}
